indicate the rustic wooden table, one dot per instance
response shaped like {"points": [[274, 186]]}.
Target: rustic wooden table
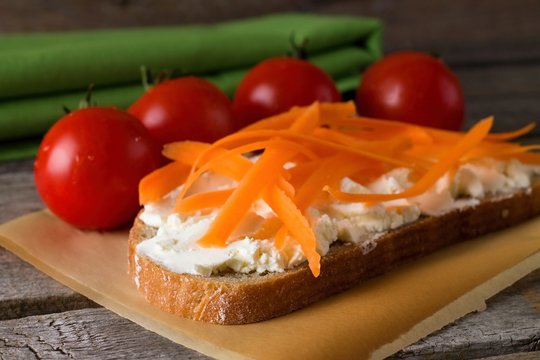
{"points": [[494, 47]]}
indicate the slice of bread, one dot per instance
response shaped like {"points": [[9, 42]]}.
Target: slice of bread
{"points": [[242, 299]]}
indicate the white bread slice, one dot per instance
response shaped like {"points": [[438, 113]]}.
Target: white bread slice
{"points": [[242, 299]]}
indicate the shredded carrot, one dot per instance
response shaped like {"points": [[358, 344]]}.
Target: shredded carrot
{"points": [[203, 200], [310, 142], [472, 138], [184, 151], [306, 152], [308, 121], [498, 150], [285, 120], [297, 225], [268, 229], [162, 181], [264, 171], [218, 162], [512, 134], [281, 238]]}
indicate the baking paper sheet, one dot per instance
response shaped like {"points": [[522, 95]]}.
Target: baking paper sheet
{"points": [[374, 319]]}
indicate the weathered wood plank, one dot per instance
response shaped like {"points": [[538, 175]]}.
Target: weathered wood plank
{"points": [[534, 355], [25, 290], [465, 31], [18, 194], [511, 323], [85, 334]]}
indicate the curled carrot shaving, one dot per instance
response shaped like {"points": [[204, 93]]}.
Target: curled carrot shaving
{"points": [[203, 200], [307, 141], [285, 120], [472, 138], [220, 161], [184, 151], [308, 121], [512, 134], [264, 171], [297, 225], [162, 181], [303, 156], [268, 229]]}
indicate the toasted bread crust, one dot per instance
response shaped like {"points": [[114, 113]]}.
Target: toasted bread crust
{"points": [[242, 299]]}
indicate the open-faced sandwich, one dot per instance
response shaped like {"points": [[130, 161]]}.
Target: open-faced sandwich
{"points": [[311, 202]]}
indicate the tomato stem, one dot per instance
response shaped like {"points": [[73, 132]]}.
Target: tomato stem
{"points": [[86, 102], [299, 50], [149, 79]]}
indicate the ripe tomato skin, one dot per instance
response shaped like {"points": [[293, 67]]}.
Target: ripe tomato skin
{"points": [[412, 87], [187, 108], [277, 84], [89, 165]]}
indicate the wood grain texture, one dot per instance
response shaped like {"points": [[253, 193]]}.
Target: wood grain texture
{"points": [[511, 323], [25, 290], [534, 355], [85, 334], [18, 194]]}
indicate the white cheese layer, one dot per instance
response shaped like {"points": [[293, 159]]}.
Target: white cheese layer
{"points": [[175, 244]]}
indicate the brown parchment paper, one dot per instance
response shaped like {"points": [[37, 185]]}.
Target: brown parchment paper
{"points": [[374, 319]]}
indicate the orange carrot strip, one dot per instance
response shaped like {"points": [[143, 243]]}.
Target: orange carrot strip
{"points": [[280, 121], [528, 158], [497, 150], [511, 134], [388, 147], [218, 161], [471, 139], [330, 170], [184, 151], [341, 110], [264, 171], [301, 172], [284, 120], [251, 136], [297, 225], [204, 200], [369, 128], [215, 199], [281, 238], [162, 181], [268, 229], [308, 121], [286, 186]]}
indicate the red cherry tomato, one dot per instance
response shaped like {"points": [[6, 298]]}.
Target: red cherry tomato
{"points": [[412, 87], [89, 165], [275, 85], [187, 108]]}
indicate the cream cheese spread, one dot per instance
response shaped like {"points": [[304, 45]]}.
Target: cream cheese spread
{"points": [[175, 244]]}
